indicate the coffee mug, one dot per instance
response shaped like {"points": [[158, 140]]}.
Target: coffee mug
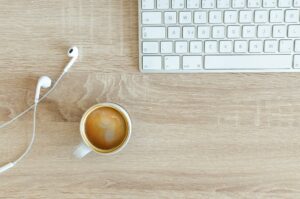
{"points": [[105, 128]]}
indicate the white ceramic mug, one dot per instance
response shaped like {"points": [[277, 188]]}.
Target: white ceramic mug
{"points": [[86, 146]]}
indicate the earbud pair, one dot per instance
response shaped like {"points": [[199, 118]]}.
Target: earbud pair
{"points": [[45, 81]]}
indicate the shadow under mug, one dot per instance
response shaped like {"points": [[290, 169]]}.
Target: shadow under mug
{"points": [[86, 146]]}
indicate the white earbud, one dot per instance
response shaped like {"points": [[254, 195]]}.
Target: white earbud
{"points": [[7, 167], [73, 53], [44, 82]]}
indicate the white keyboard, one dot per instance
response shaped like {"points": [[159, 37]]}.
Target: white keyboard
{"points": [[219, 36]]}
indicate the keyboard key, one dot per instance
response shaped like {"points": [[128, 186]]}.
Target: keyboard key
{"points": [[172, 62], [254, 3], [255, 46], [244, 62], [276, 16], [238, 3], [154, 32], [292, 16], [208, 4], [152, 62], [151, 18], [294, 31], [196, 47], [261, 16], [230, 16], [166, 47], [297, 45], [286, 46], [200, 17], [181, 47], [150, 47], [279, 31], [285, 3], [240, 46], [233, 31], [297, 3], [245, 16], [188, 32], [223, 3], [170, 17], [215, 17], [192, 4], [211, 46], [297, 61], [147, 4], [177, 4], [264, 31], [174, 32], [192, 62], [249, 31], [226, 46], [271, 46], [163, 4], [218, 32], [203, 32], [269, 3], [185, 17]]}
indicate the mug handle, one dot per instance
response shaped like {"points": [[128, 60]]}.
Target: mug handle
{"points": [[81, 151]]}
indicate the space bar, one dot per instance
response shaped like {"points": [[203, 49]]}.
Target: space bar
{"points": [[244, 62]]}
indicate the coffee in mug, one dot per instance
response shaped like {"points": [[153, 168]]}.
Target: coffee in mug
{"points": [[105, 128]]}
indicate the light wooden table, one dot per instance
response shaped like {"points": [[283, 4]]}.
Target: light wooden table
{"points": [[195, 135]]}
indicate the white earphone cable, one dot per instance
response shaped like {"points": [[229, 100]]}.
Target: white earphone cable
{"points": [[32, 106], [32, 137]]}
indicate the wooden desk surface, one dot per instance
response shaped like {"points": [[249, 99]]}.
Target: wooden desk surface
{"points": [[195, 135]]}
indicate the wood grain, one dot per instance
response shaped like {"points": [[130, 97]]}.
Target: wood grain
{"points": [[195, 135]]}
